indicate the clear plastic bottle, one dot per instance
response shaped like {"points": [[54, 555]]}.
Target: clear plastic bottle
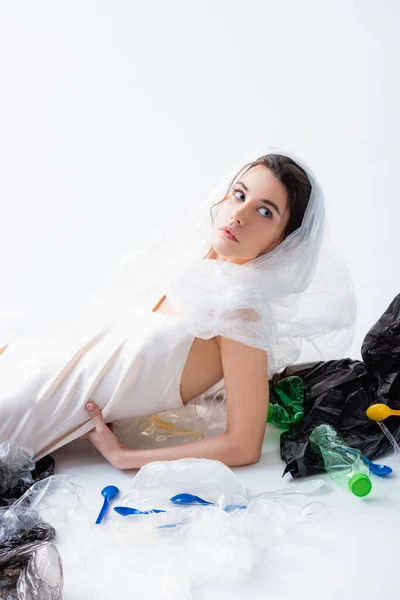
{"points": [[343, 464]]}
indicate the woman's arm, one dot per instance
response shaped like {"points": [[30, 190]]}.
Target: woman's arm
{"points": [[247, 393]]}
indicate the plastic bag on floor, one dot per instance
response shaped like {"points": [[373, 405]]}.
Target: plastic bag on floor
{"points": [[339, 392], [18, 471], [30, 567], [43, 577], [56, 499]]}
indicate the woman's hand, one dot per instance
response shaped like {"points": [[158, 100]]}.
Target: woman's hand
{"points": [[104, 439]]}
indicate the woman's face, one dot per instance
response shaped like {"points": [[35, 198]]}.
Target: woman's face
{"points": [[256, 212]]}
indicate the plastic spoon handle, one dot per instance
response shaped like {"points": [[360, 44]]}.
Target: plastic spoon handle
{"points": [[109, 492], [171, 525], [103, 511], [232, 507], [188, 499], [127, 510], [185, 498]]}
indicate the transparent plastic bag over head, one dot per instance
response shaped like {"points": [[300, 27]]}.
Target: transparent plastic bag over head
{"points": [[295, 301]]}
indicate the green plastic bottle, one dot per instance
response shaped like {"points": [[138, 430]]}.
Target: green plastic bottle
{"points": [[343, 464], [286, 402]]}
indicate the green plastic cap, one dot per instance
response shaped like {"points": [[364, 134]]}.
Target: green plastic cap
{"points": [[360, 485]]}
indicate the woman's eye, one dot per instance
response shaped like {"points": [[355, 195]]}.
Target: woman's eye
{"points": [[238, 193], [241, 196], [268, 213]]}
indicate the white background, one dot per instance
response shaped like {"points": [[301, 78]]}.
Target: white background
{"points": [[113, 115], [334, 557]]}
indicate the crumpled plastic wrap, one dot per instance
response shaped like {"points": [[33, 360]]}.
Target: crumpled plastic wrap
{"points": [[30, 564], [164, 555], [42, 579], [339, 392]]}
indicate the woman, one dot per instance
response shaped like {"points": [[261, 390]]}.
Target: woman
{"points": [[249, 308]]}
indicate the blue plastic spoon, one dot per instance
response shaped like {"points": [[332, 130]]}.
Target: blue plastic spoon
{"points": [[109, 493], [127, 510], [190, 499], [185, 499], [381, 470], [171, 525]]}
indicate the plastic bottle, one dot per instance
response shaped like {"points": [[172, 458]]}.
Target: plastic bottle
{"points": [[343, 464], [286, 402]]}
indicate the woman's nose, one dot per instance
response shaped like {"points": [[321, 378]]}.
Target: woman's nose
{"points": [[238, 214]]}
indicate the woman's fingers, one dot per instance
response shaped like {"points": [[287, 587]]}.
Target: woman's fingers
{"points": [[103, 438], [96, 415]]}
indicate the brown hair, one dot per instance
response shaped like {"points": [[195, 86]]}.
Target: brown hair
{"points": [[295, 180]]}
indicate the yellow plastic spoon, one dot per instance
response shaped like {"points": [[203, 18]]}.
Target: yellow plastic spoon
{"points": [[379, 412]]}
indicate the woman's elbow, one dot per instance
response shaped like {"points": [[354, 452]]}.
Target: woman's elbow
{"points": [[252, 458], [245, 455]]}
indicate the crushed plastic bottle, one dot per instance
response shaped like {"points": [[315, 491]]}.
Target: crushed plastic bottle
{"points": [[343, 464], [286, 402]]}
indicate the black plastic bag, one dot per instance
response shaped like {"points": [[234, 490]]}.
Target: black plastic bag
{"points": [[23, 536], [42, 578], [339, 392], [30, 566], [20, 530], [18, 471]]}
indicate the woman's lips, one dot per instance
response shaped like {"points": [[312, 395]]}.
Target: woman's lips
{"points": [[229, 236]]}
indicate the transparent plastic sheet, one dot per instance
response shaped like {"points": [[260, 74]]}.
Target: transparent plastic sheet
{"points": [[391, 439], [30, 565], [57, 499], [205, 416], [163, 555]]}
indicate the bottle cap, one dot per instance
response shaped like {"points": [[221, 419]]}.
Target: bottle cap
{"points": [[360, 484]]}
